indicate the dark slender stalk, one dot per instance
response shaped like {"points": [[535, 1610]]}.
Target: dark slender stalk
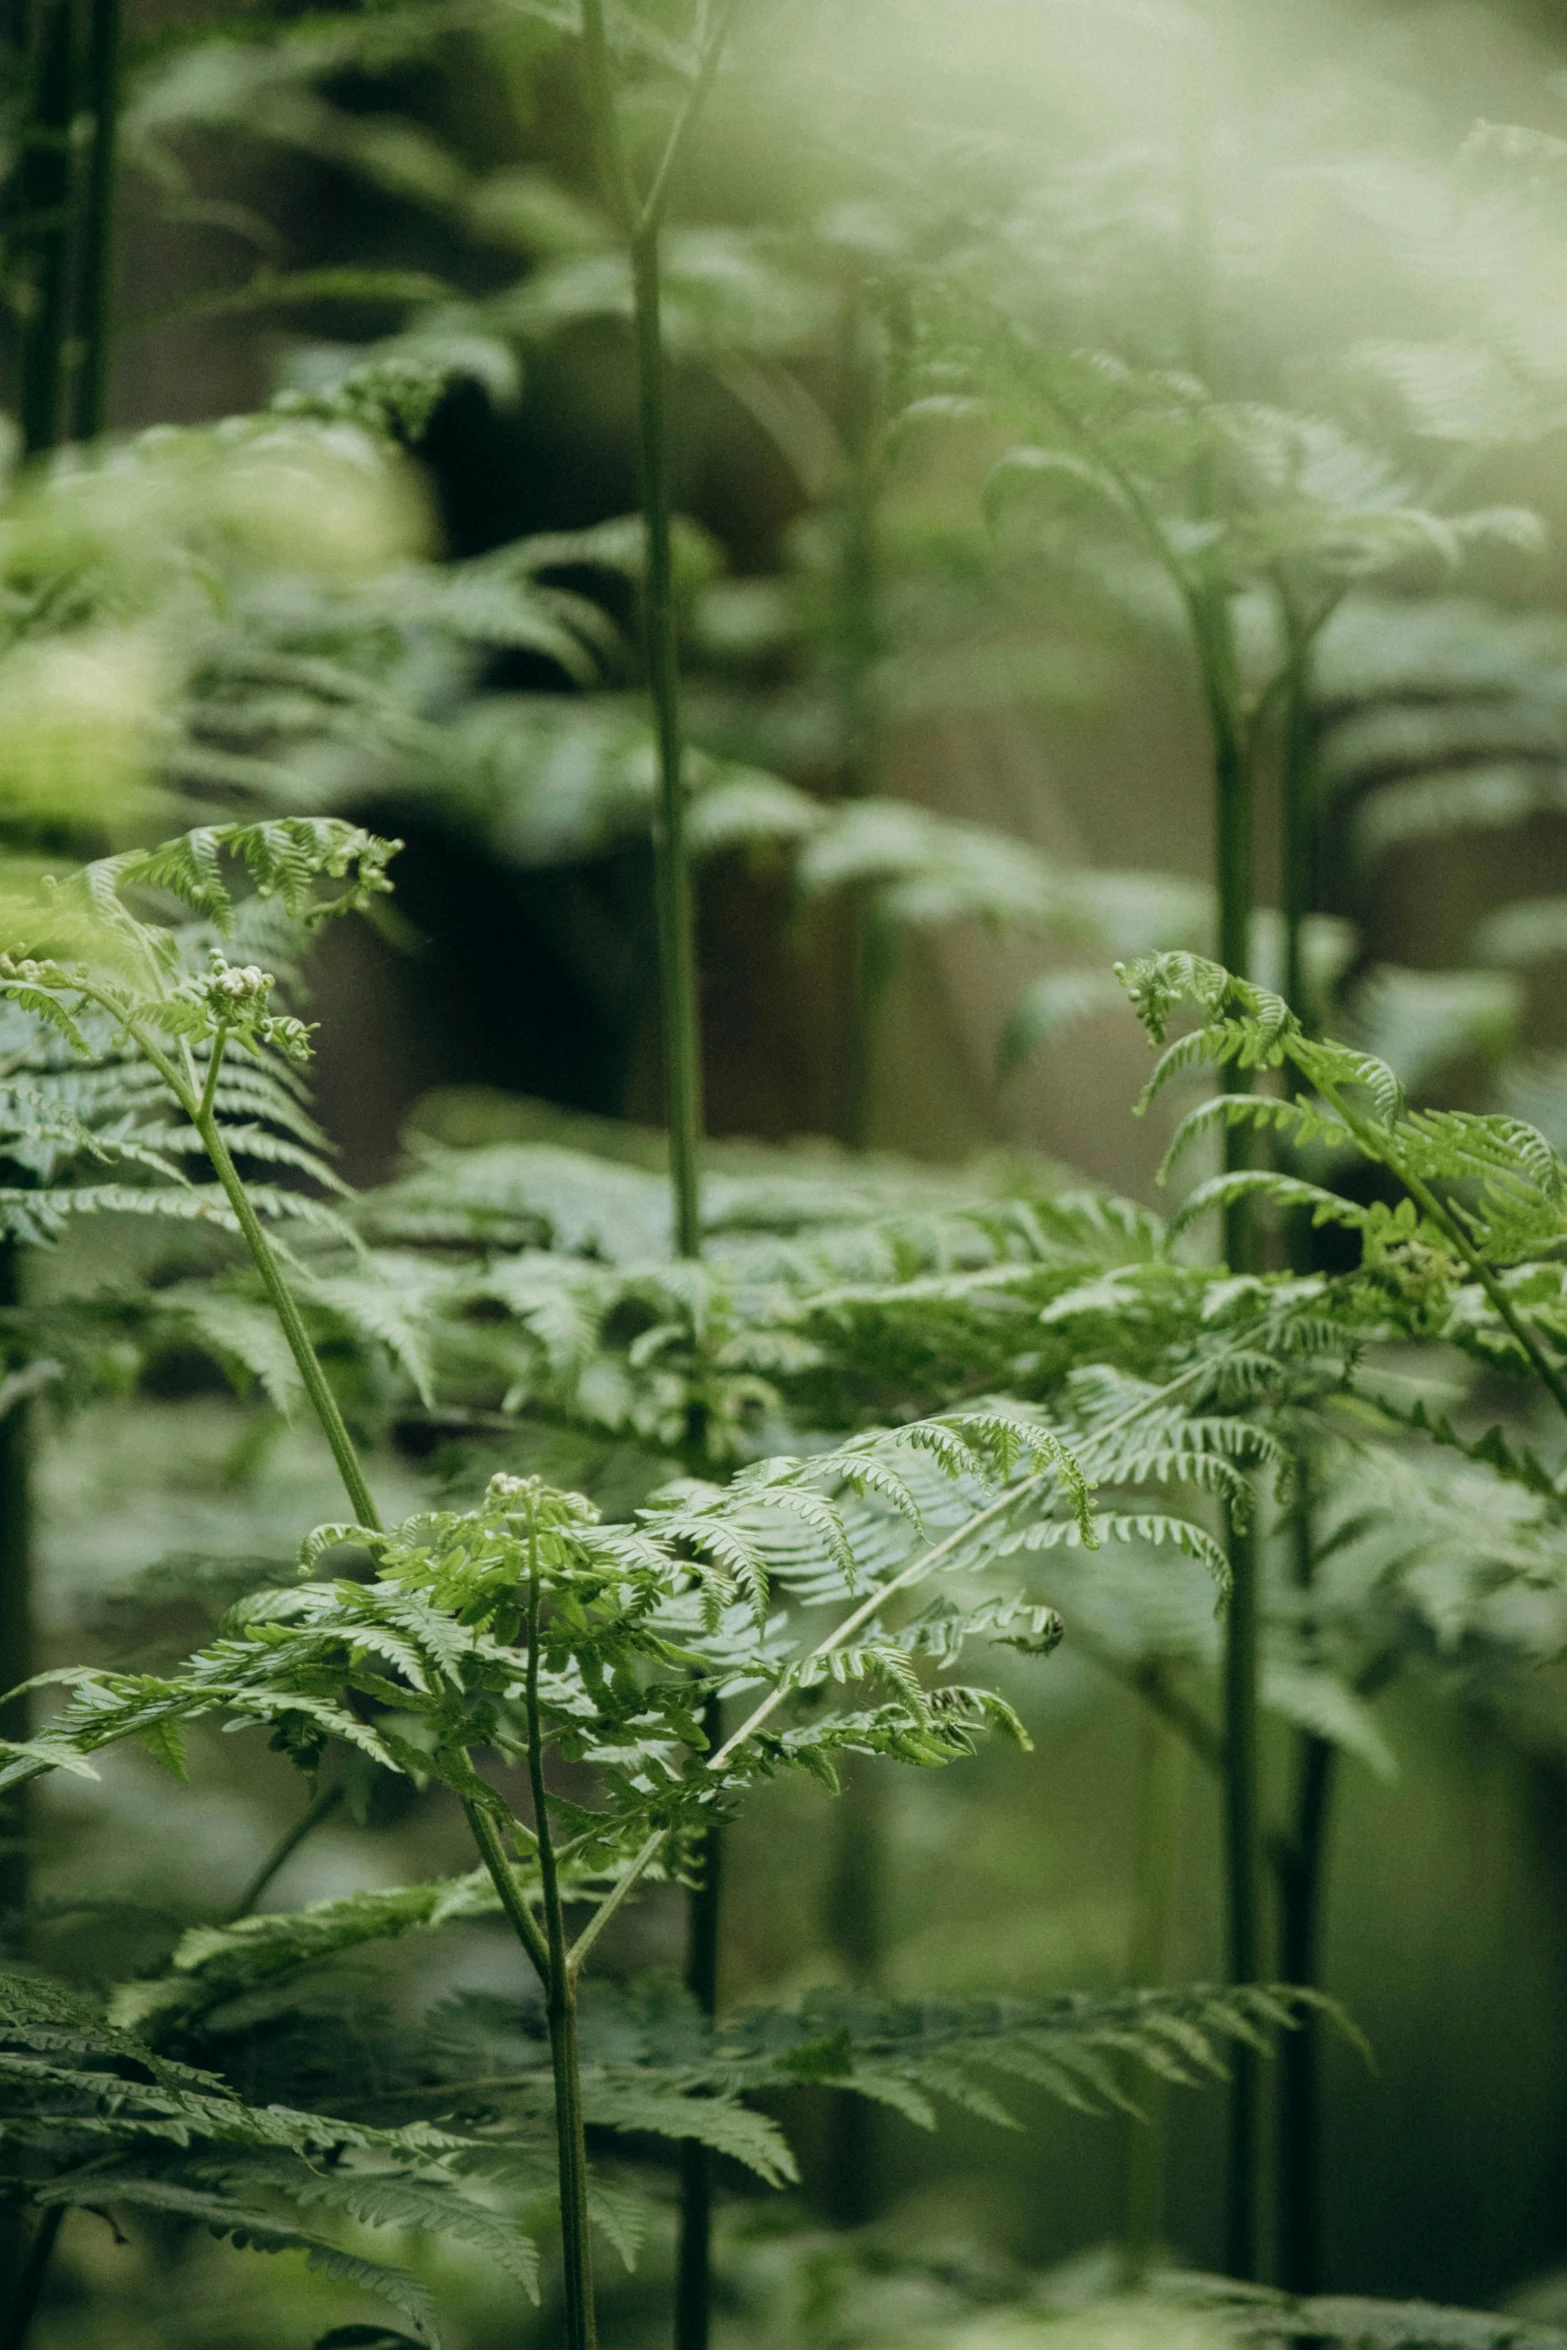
{"points": [[641, 219], [1298, 811], [560, 2000], [30, 2284], [519, 1916], [44, 200], [672, 859], [682, 1035], [1302, 1862], [281, 1298], [324, 1805], [856, 650], [704, 1914], [856, 1932], [1162, 1787], [1300, 1961], [95, 294], [1243, 1868], [1213, 624]]}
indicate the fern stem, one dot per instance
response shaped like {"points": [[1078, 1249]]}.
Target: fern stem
{"points": [[681, 1023], [45, 202], [1213, 623], [1375, 1147], [858, 644], [1297, 809], [30, 2284], [1300, 1961], [95, 296], [855, 1919], [599, 74], [1161, 1794], [704, 1917], [672, 857], [1243, 1868], [560, 1997], [281, 1297], [324, 1805], [518, 1915], [1243, 1850], [680, 1006]]}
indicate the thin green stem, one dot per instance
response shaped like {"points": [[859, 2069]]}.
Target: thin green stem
{"points": [[1161, 1795], [30, 2284], [641, 220], [519, 1916], [281, 1298], [715, 34], [209, 1091], [95, 296], [704, 1916], [1300, 1961], [604, 117], [1298, 895], [1232, 811], [1375, 1146], [560, 1996], [322, 1808], [1300, 1874], [855, 1922], [1213, 624], [672, 857], [861, 406], [198, 1110], [1243, 1869]]}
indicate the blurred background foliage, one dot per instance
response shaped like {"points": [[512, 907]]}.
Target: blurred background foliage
{"points": [[949, 754]]}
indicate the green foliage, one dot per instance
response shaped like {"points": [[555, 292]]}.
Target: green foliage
{"points": [[104, 2121]]}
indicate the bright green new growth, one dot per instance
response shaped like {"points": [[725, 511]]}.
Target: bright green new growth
{"points": [[1485, 1204]]}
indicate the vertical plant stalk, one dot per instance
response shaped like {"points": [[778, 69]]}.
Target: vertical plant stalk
{"points": [[861, 419], [1301, 1868], [561, 2015], [855, 1918], [281, 1299], [95, 292], [681, 1023], [704, 1917], [557, 1970], [672, 880], [320, 1809], [1232, 778], [1162, 1791], [853, 1910], [1300, 2084], [45, 202], [560, 1995], [23, 2305], [1243, 1870], [1297, 796], [641, 218]]}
